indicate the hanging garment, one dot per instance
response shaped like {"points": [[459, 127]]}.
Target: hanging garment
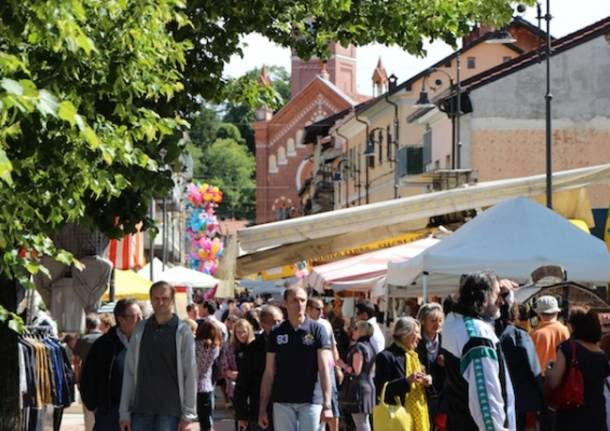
{"points": [[67, 306], [91, 283]]}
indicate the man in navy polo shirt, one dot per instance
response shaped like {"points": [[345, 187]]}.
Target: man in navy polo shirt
{"points": [[298, 350]]}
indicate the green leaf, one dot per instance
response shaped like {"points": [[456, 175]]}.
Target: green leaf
{"points": [[47, 103], [29, 88], [32, 267], [64, 257], [5, 168], [11, 86], [91, 137], [67, 112], [16, 324], [85, 43]]}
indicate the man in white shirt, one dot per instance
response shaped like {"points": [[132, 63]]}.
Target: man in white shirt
{"points": [[366, 311], [207, 311]]}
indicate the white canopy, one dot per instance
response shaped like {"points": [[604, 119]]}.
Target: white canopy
{"points": [[157, 270], [513, 238], [181, 276]]}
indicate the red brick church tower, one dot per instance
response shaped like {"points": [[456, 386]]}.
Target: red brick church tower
{"points": [[282, 161]]}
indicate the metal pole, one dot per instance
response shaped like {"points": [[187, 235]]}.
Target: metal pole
{"points": [[425, 286], [548, 98], [111, 289], [164, 235], [394, 145], [172, 254], [151, 238], [458, 162]]}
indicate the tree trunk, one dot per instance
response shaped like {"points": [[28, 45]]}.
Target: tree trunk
{"points": [[10, 412]]}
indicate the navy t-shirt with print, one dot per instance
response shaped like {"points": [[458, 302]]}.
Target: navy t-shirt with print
{"points": [[296, 361]]}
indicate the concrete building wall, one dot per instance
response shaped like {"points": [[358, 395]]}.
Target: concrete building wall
{"points": [[507, 127]]}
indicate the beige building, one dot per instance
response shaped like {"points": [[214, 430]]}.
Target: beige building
{"points": [[398, 150], [504, 134]]}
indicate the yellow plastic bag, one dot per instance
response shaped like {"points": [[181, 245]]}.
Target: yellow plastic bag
{"points": [[390, 417]]}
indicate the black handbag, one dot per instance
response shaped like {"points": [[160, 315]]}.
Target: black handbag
{"points": [[349, 394]]}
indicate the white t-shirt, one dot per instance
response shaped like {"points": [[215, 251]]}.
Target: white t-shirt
{"points": [[377, 340]]}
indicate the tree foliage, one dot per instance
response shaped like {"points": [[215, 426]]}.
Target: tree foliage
{"points": [[240, 111], [221, 157], [91, 94], [81, 135]]}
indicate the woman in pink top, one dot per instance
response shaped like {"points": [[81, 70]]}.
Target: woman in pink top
{"points": [[207, 348]]}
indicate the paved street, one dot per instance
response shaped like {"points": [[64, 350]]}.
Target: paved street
{"points": [[73, 419]]}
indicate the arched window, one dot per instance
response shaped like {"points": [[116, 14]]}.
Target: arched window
{"points": [[281, 156], [290, 150], [299, 139], [272, 164]]}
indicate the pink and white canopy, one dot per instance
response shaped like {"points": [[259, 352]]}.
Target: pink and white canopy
{"points": [[364, 271]]}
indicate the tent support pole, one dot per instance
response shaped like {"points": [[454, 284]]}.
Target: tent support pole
{"points": [[425, 286]]}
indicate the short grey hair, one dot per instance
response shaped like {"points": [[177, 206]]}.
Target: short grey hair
{"points": [[428, 309], [405, 326], [365, 328]]}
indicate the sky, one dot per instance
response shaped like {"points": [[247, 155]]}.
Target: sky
{"points": [[568, 16]]}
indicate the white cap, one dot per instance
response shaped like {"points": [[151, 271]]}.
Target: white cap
{"points": [[547, 305]]}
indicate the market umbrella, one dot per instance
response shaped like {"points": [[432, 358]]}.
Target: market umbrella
{"points": [[128, 284]]}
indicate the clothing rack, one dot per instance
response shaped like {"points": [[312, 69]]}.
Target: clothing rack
{"points": [[46, 379]]}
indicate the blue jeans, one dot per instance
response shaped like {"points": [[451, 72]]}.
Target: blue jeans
{"points": [[293, 417], [154, 423]]}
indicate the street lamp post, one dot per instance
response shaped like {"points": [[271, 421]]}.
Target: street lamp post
{"points": [[548, 97], [455, 110]]}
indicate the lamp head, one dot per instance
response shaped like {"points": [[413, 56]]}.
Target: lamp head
{"points": [[424, 101], [370, 149]]}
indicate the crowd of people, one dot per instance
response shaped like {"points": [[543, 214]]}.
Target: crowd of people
{"points": [[472, 363]]}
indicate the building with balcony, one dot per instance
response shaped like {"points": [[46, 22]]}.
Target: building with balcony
{"points": [[377, 155]]}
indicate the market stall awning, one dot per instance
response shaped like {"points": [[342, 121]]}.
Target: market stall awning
{"points": [[513, 239], [288, 241], [402, 210], [364, 271]]}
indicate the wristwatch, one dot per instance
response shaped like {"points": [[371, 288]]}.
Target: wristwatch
{"points": [[326, 407]]}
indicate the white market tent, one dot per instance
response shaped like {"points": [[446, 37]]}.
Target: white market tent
{"points": [[181, 276], [513, 238], [157, 270]]}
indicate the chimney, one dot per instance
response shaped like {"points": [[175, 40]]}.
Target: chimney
{"points": [[477, 32], [392, 83]]}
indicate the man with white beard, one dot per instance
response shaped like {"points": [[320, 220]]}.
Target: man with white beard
{"points": [[479, 391]]}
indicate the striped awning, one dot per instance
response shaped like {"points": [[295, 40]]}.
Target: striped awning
{"points": [[127, 252]]}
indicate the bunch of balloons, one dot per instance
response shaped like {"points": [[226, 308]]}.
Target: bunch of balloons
{"points": [[202, 227]]}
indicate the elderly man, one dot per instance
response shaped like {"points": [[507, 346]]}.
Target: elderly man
{"points": [[478, 387], [102, 375], [160, 380], [302, 345]]}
